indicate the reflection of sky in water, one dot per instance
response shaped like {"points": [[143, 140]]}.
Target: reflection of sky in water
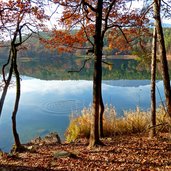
{"points": [[46, 105]]}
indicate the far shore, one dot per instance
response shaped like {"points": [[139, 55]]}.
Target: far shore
{"points": [[129, 57]]}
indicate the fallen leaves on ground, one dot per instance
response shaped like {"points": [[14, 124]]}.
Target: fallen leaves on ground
{"points": [[131, 152]]}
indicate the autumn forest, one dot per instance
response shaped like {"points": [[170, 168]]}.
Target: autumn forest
{"points": [[94, 44]]}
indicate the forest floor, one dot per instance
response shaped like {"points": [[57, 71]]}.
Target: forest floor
{"points": [[127, 153]]}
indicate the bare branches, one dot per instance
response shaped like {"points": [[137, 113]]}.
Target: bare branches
{"points": [[88, 5], [167, 9], [89, 40], [167, 4], [107, 63], [108, 12], [123, 34], [85, 61]]}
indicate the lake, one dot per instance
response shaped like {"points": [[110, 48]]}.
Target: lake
{"points": [[46, 105]]}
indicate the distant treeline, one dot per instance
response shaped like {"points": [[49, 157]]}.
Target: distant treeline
{"points": [[37, 61], [33, 48]]}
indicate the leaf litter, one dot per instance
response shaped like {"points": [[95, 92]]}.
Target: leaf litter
{"points": [[126, 152]]}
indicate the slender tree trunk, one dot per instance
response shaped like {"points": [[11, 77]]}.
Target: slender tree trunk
{"points": [[163, 58], [7, 83], [153, 85], [18, 146], [97, 78]]}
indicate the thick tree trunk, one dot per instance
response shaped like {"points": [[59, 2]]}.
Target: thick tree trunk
{"points": [[18, 146], [163, 59], [153, 85], [97, 78]]}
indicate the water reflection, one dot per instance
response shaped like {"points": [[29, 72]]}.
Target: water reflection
{"points": [[45, 106]]}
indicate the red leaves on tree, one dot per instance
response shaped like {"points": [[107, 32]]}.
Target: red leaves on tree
{"points": [[65, 41], [121, 24]]}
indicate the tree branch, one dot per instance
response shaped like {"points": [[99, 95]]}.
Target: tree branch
{"points": [[4, 66], [123, 34], [85, 61], [106, 18], [107, 63], [90, 6], [87, 35]]}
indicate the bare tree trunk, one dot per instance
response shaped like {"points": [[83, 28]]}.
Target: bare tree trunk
{"points": [[7, 83], [153, 85], [163, 58], [97, 78], [18, 146]]}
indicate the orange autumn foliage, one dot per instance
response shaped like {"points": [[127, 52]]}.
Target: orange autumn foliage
{"points": [[121, 25], [65, 41], [13, 12]]}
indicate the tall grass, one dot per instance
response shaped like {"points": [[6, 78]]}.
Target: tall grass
{"points": [[133, 121]]}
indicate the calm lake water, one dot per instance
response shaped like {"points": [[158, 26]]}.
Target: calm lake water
{"points": [[46, 105]]}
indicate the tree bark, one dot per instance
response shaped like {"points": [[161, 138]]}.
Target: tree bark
{"points": [[18, 146], [153, 84], [101, 131], [7, 83], [163, 58], [97, 77]]}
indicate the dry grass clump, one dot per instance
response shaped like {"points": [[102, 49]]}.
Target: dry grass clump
{"points": [[162, 119], [133, 121], [79, 126]]}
